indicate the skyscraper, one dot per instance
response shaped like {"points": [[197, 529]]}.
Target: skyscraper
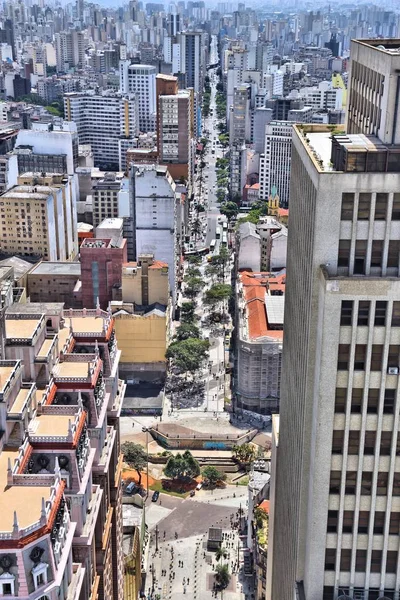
{"points": [[335, 510]]}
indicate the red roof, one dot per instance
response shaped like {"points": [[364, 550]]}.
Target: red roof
{"points": [[283, 212], [264, 506], [255, 285]]}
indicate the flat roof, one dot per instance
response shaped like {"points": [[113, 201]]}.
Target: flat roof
{"points": [[21, 328], [321, 142], [45, 308], [52, 425], [57, 268], [275, 307], [5, 374], [45, 347], [71, 369], [87, 324], [26, 501], [20, 400]]}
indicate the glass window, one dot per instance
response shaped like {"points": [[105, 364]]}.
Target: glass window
{"points": [[396, 314], [361, 560], [340, 400], [373, 401], [380, 313], [356, 400], [351, 479], [377, 253], [393, 254], [359, 357], [347, 207], [393, 357], [379, 522], [330, 559], [363, 521], [348, 521], [359, 257], [389, 401], [345, 560], [337, 441], [369, 442], [396, 207], [334, 485], [376, 357], [381, 207], [364, 206], [394, 525], [346, 312], [332, 521], [344, 253], [376, 560], [363, 312], [343, 357], [354, 442]]}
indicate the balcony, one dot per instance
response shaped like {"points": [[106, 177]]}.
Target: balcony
{"points": [[78, 577], [107, 528]]}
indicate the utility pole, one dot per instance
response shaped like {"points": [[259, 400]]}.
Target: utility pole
{"points": [[156, 538]]}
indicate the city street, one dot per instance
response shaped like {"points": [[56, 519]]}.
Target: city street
{"points": [[178, 562]]}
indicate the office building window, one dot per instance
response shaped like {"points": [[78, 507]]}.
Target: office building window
{"points": [[376, 560], [381, 207], [373, 401], [332, 521], [369, 442], [363, 312], [361, 560], [343, 357], [348, 521], [359, 357], [347, 207], [396, 207], [393, 357], [364, 206], [380, 313], [356, 400], [379, 522], [360, 257], [351, 479], [389, 402], [396, 314], [344, 253], [330, 559], [334, 484], [340, 400], [346, 312], [377, 253], [345, 560], [354, 442], [363, 521], [376, 357], [393, 254]]}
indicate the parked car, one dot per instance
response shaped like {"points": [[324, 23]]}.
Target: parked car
{"points": [[155, 496]]}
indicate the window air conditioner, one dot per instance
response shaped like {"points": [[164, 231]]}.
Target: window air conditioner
{"points": [[393, 370]]}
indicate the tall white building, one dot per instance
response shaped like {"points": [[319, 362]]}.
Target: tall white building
{"points": [[276, 160], [103, 121], [239, 122], [141, 80], [70, 50], [155, 216]]}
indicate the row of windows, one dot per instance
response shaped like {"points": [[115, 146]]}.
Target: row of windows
{"points": [[363, 522], [361, 560], [360, 355], [364, 207], [363, 313], [368, 448], [372, 400], [366, 483], [360, 254]]}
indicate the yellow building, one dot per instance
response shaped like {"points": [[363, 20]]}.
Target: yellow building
{"points": [[132, 565], [142, 339], [146, 282]]}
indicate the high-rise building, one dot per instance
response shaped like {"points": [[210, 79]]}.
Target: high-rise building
{"points": [[194, 59], [106, 197], [335, 514], [104, 121], [36, 220], [239, 122], [156, 217], [70, 50], [373, 91], [141, 80], [175, 143], [275, 161]]}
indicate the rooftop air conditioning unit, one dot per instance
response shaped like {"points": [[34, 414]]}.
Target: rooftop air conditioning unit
{"points": [[393, 370]]}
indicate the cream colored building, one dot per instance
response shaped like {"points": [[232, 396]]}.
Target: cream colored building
{"points": [[146, 282], [33, 222]]}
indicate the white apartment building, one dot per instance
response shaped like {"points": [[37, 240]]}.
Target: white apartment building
{"points": [[276, 160], [239, 122], [141, 80], [70, 50], [102, 120], [322, 97], [155, 217]]}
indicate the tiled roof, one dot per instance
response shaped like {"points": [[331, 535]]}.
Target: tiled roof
{"points": [[255, 286]]}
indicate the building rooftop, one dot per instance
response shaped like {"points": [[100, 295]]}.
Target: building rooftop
{"points": [[36, 308], [57, 268], [51, 425], [87, 324], [20, 400], [78, 370], [14, 498], [20, 266], [388, 46], [22, 328], [5, 374]]}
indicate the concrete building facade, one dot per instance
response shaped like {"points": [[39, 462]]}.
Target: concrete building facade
{"points": [[141, 80], [275, 161], [335, 499]]}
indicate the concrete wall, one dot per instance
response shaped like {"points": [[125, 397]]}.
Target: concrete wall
{"points": [[141, 339]]}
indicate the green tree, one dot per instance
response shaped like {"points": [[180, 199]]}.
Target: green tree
{"points": [[213, 270], [221, 553], [194, 260], [193, 272], [193, 286], [188, 314], [217, 293], [135, 456], [196, 227], [230, 210], [188, 355], [186, 331], [212, 476], [222, 577], [260, 516], [182, 466], [245, 453]]}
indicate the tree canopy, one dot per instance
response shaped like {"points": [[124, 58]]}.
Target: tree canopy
{"points": [[217, 293], [188, 314], [193, 286], [135, 456], [212, 476], [222, 577], [182, 466], [188, 355], [245, 453], [186, 331], [229, 209]]}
